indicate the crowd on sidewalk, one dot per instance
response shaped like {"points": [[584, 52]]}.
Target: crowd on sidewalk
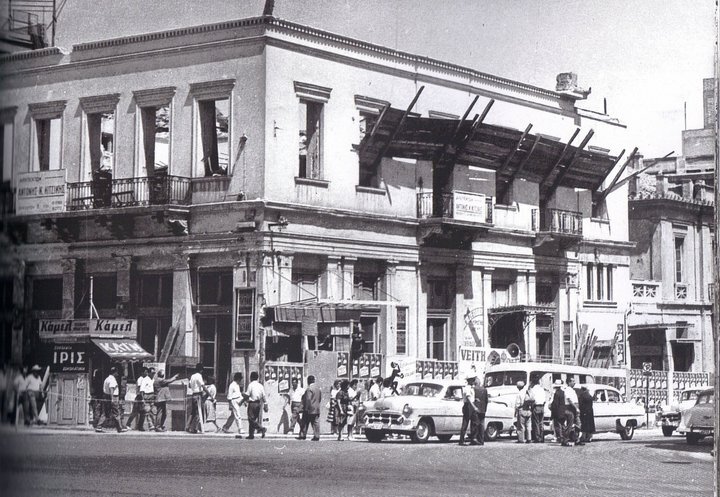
{"points": [[21, 394]]}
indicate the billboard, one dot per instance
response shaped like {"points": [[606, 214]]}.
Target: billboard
{"points": [[40, 192]]}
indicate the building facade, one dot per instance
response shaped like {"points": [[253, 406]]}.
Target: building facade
{"points": [[255, 190]]}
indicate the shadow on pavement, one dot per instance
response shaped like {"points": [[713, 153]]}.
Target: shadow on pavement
{"points": [[677, 444]]}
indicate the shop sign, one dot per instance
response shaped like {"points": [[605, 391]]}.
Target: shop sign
{"points": [[283, 376], [67, 358], [343, 358], [40, 192], [244, 319], [469, 207], [125, 328]]}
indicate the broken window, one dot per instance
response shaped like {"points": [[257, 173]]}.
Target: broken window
{"points": [[46, 156], [101, 140], [155, 139], [214, 136], [310, 140]]}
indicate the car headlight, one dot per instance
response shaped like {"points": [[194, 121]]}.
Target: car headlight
{"points": [[407, 410]]}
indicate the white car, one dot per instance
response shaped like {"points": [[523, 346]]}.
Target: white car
{"points": [[612, 413], [428, 408], [670, 414]]}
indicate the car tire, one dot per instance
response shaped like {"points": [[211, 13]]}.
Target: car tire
{"points": [[492, 432], [374, 436], [668, 430], [627, 432], [692, 438], [422, 432], [444, 438]]}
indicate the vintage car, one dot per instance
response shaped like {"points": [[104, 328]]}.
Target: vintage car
{"points": [[612, 413], [669, 414], [697, 422], [428, 408]]}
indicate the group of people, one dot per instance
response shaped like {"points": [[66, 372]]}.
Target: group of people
{"points": [[571, 413], [21, 387]]}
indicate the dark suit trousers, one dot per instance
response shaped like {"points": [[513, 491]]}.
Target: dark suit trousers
{"points": [[477, 433], [467, 415], [538, 430], [307, 420]]}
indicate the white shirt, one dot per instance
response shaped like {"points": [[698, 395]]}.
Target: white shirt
{"points": [[234, 391], [570, 395], [20, 383], [375, 391], [255, 391], [469, 393], [297, 394], [33, 384], [110, 386], [537, 393], [145, 385], [196, 383], [520, 398]]}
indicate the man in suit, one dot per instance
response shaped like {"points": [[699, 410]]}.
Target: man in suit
{"points": [[311, 401], [477, 434]]}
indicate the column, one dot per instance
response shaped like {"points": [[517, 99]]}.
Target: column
{"points": [[347, 277], [329, 281], [286, 293], [417, 343], [531, 329], [456, 334], [472, 319], [69, 267], [182, 310], [387, 324], [19, 303], [521, 287], [122, 268], [487, 275]]}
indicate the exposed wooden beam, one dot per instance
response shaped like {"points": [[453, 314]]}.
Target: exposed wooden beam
{"points": [[527, 157], [460, 147], [502, 189], [397, 128], [560, 157], [622, 169], [568, 165], [369, 138]]}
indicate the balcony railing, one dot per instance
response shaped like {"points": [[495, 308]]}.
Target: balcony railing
{"points": [[646, 290], [128, 192], [681, 291], [560, 221], [461, 206]]}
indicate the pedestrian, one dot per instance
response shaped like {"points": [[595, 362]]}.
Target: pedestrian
{"points": [[96, 394], [197, 389], [477, 434], [468, 407], [162, 396], [111, 391], [587, 415], [354, 396], [332, 407], [146, 391], [538, 397], [523, 413], [20, 387], [387, 389], [557, 412], [3, 391], [255, 397], [137, 404], [311, 402], [572, 412], [34, 393], [341, 408], [296, 394], [235, 400], [211, 403], [376, 388]]}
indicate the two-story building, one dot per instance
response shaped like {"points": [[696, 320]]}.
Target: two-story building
{"points": [[252, 190]]}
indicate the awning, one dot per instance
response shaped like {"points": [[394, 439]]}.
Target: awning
{"points": [[305, 311], [122, 349]]}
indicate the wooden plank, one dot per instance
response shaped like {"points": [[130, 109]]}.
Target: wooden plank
{"points": [[558, 179], [377, 160]]}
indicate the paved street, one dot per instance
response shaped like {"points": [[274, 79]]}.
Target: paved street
{"points": [[54, 463]]}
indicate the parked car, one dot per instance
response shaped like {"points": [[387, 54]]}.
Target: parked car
{"points": [[669, 414], [697, 422], [428, 408], [612, 413]]}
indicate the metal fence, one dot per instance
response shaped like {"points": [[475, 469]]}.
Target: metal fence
{"points": [[127, 192]]}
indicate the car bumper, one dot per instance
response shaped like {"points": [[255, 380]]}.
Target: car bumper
{"points": [[402, 425]]}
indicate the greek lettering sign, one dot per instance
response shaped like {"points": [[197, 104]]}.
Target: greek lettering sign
{"points": [[469, 207], [124, 328], [67, 358], [120, 349], [244, 319], [40, 192]]}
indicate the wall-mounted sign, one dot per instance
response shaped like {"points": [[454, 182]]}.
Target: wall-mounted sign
{"points": [[67, 357], [244, 319], [125, 328], [469, 207], [40, 192]]}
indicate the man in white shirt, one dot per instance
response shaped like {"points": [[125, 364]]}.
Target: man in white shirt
{"points": [[235, 400], [197, 388], [572, 411], [539, 397], [111, 391], [33, 389], [468, 403], [375, 389], [146, 389], [255, 396], [523, 413], [296, 394]]}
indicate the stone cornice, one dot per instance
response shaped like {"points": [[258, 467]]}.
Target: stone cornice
{"points": [[154, 97], [30, 54], [99, 103], [47, 110]]}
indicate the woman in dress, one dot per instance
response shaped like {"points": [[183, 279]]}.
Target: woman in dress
{"points": [[331, 412], [587, 415], [342, 407]]}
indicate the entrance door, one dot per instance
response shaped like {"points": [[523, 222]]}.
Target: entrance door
{"points": [[437, 338], [66, 403], [215, 341], [544, 344]]}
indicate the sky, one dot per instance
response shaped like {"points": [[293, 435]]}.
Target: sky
{"points": [[646, 57]]}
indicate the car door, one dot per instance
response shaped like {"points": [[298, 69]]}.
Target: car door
{"points": [[450, 420], [601, 408]]}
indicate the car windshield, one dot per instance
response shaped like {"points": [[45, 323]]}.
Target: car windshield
{"points": [[707, 398], [499, 378], [692, 395], [422, 389]]}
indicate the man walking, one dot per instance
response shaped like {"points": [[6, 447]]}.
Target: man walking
{"points": [[311, 401], [111, 390], [376, 388], [197, 388], [146, 391], [523, 413], [235, 400], [162, 396], [478, 421], [538, 397], [296, 396], [255, 396], [34, 392], [557, 411], [572, 411], [468, 407]]}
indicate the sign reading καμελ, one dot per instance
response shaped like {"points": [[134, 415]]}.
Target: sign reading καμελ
{"points": [[125, 328], [40, 192]]}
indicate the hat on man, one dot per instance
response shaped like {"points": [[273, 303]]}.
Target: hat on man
{"points": [[36, 368], [471, 376], [520, 384], [558, 383]]}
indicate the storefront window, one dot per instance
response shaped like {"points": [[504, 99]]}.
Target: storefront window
{"points": [[46, 294]]}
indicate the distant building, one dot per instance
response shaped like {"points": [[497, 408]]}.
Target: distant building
{"points": [[26, 24], [672, 270]]}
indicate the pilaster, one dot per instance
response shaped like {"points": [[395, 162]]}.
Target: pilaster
{"points": [[123, 265], [487, 277], [69, 267]]}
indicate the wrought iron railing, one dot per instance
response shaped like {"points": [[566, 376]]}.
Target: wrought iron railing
{"points": [[128, 192], [561, 221], [462, 206]]}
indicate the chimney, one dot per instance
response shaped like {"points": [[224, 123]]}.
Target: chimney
{"points": [[661, 185], [566, 83]]}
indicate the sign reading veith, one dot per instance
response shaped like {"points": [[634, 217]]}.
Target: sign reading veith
{"points": [[125, 328]]}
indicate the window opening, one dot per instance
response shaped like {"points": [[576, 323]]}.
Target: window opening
{"points": [[47, 148], [401, 330], [436, 333], [214, 136], [155, 127], [679, 247], [310, 139], [47, 294]]}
